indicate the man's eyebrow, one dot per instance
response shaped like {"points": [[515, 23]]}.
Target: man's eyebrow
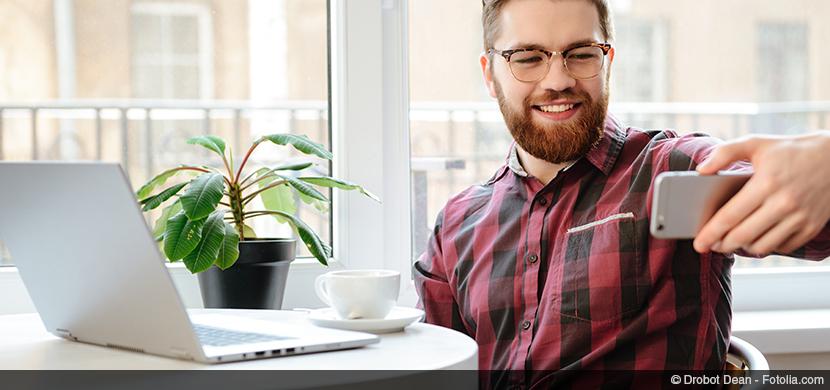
{"points": [[582, 42], [536, 46]]}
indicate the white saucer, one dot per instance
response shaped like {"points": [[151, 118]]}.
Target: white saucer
{"points": [[395, 321]]}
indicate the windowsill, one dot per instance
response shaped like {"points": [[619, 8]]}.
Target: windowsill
{"points": [[300, 264], [784, 331]]}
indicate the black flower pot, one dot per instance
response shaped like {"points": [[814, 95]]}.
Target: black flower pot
{"points": [[257, 279]]}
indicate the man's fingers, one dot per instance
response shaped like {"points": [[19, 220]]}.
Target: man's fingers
{"points": [[747, 200], [798, 240], [751, 229], [774, 239], [727, 153]]}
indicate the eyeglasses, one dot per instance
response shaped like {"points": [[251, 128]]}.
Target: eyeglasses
{"points": [[531, 65]]}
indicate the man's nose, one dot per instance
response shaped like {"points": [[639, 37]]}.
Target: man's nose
{"points": [[557, 78]]}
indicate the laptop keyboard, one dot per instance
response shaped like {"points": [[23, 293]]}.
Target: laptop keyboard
{"points": [[218, 337]]}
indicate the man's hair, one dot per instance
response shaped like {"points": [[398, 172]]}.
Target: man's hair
{"points": [[492, 11]]}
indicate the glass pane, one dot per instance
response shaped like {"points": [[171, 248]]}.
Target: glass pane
{"points": [[457, 133], [185, 81], [695, 55], [782, 59], [184, 34], [146, 33], [220, 67], [148, 81], [640, 69]]}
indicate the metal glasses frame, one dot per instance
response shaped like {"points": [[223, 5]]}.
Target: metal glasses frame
{"points": [[507, 54]]}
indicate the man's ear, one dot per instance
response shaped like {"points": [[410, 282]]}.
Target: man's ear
{"points": [[610, 62], [611, 56], [487, 72]]}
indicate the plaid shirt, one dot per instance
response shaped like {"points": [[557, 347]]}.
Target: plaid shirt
{"points": [[567, 276]]}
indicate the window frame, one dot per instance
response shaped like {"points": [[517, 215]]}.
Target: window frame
{"points": [[791, 287], [367, 234]]}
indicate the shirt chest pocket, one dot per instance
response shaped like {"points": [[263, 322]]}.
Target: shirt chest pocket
{"points": [[602, 269]]}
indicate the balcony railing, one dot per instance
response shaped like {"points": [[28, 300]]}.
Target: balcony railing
{"points": [[146, 136], [449, 139]]}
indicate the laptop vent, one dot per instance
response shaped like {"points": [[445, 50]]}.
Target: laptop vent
{"points": [[125, 348]]}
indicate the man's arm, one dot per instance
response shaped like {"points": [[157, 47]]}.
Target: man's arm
{"points": [[784, 208], [435, 296]]}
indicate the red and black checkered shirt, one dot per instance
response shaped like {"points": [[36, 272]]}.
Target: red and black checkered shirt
{"points": [[567, 276]]}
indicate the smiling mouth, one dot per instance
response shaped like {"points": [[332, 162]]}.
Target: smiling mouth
{"points": [[556, 108]]}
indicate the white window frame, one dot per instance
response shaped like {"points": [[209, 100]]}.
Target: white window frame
{"points": [[370, 101]]}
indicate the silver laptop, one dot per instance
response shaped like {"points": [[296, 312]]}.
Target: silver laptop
{"points": [[95, 274]]}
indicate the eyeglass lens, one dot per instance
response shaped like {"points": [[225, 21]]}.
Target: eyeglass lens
{"points": [[533, 65]]}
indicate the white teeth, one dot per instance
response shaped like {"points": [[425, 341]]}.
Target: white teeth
{"points": [[557, 108]]}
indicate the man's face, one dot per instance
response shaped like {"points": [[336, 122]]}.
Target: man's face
{"points": [[558, 118]]}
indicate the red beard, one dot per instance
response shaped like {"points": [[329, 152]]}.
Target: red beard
{"points": [[557, 143]]}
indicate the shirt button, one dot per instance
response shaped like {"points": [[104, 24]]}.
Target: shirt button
{"points": [[532, 258], [543, 201], [525, 324]]}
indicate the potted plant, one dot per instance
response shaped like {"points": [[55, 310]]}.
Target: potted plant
{"points": [[204, 221]]}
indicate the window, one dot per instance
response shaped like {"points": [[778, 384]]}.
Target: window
{"points": [[690, 65], [171, 51], [135, 79], [457, 134], [641, 64], [782, 62], [783, 74]]}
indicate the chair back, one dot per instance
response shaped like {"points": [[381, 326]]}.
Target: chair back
{"points": [[744, 360]]}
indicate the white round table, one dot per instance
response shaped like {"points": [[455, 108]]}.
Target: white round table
{"points": [[26, 345]]}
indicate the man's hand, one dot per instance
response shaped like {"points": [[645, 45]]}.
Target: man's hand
{"points": [[785, 203]]}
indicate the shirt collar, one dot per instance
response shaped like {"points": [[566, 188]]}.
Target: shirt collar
{"points": [[513, 162], [603, 155]]}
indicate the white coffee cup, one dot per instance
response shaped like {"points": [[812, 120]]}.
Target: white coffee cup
{"points": [[355, 294]]}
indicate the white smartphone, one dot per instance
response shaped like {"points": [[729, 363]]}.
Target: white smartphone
{"points": [[684, 201]]}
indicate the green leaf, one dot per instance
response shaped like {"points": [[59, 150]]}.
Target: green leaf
{"points": [[312, 241], [161, 223], [210, 142], [203, 195], [181, 236], [156, 201], [299, 142], [318, 205], [293, 167], [331, 182], [248, 231], [148, 188], [229, 251], [304, 188], [290, 167], [279, 198], [207, 250]]}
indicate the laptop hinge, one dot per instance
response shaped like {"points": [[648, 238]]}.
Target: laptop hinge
{"points": [[180, 353], [64, 333]]}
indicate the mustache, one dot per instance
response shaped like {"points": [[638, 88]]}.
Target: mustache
{"points": [[568, 94]]}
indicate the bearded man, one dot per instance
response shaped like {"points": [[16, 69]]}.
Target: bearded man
{"points": [[549, 265]]}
